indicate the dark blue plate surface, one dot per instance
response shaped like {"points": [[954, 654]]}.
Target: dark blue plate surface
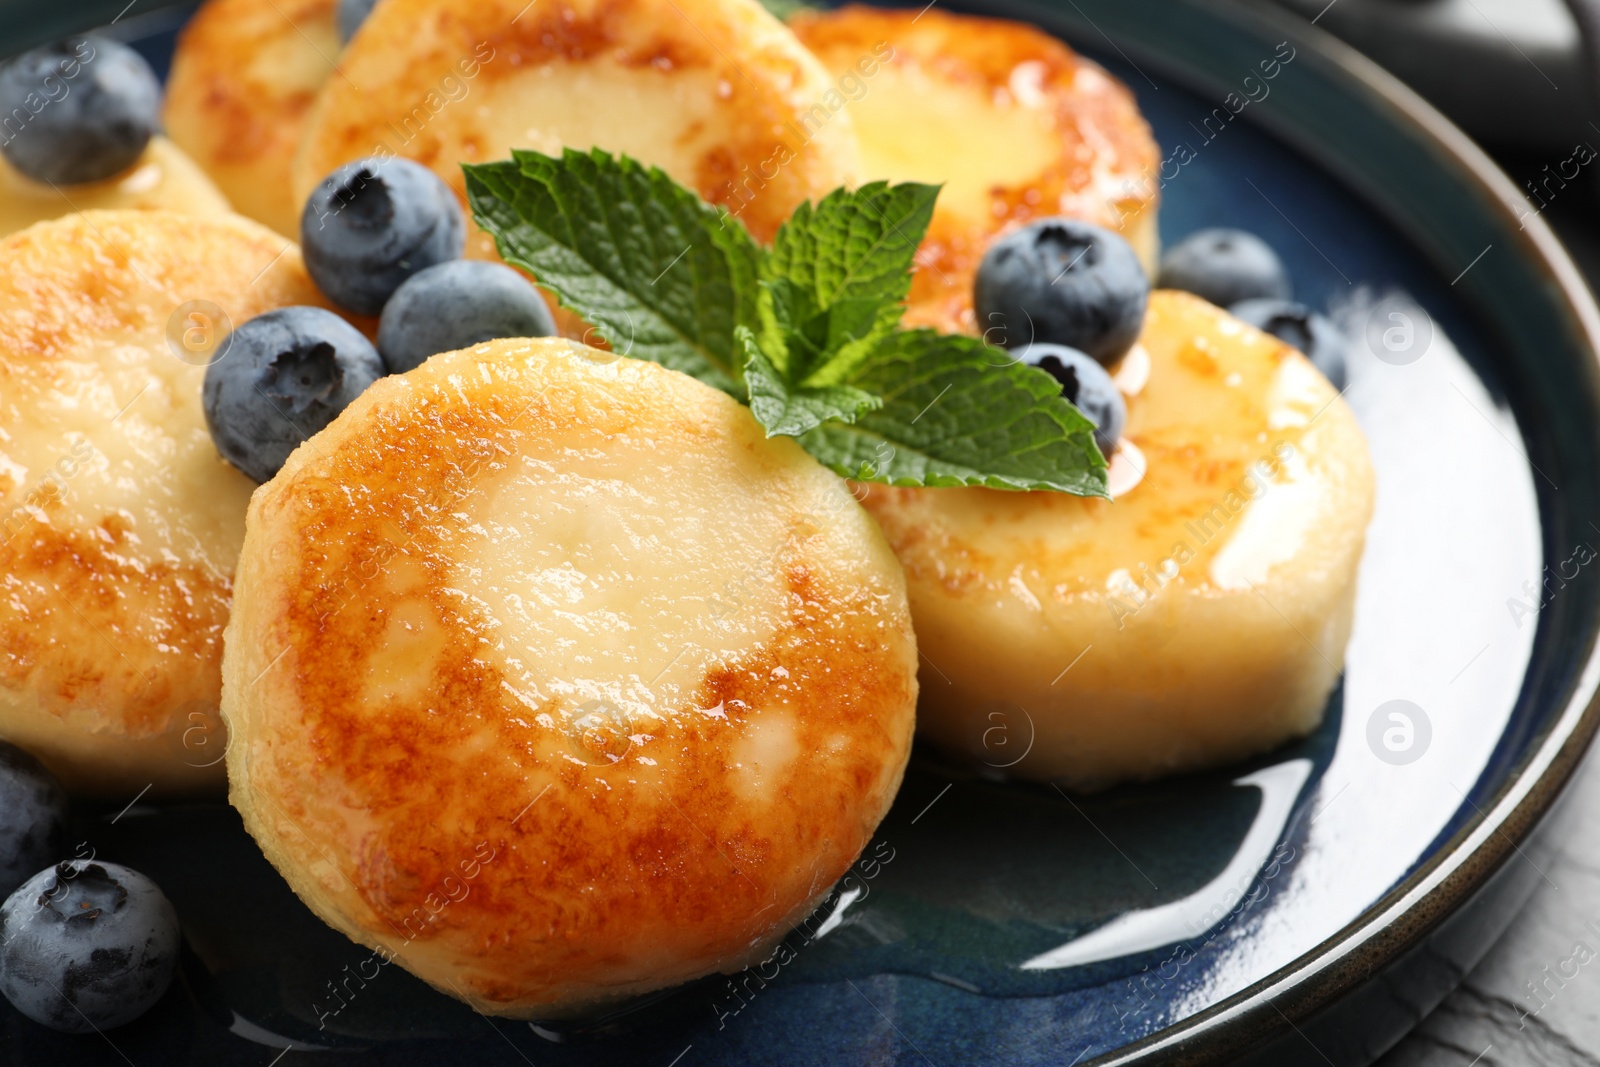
{"points": [[1196, 920]]}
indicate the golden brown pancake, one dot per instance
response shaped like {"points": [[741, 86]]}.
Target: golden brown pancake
{"points": [[243, 79], [1015, 124], [121, 524], [709, 90], [163, 178], [1199, 618], [556, 681]]}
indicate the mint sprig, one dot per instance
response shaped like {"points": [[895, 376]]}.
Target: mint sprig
{"points": [[792, 410], [838, 274], [638, 256], [957, 412], [807, 332]]}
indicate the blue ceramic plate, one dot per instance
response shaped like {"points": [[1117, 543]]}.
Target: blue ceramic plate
{"points": [[1310, 904]]}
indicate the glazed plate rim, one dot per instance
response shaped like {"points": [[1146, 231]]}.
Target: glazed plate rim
{"points": [[1457, 868]]}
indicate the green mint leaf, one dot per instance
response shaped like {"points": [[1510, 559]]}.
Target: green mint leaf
{"points": [[855, 242], [663, 275], [958, 412], [806, 333], [851, 255], [795, 334], [793, 410], [783, 311]]}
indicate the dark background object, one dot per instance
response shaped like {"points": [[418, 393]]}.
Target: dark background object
{"points": [[1521, 76], [1511, 73], [29, 22]]}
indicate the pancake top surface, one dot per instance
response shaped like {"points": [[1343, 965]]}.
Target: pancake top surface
{"points": [[1013, 122], [1251, 462], [709, 90], [1025, 126], [580, 612], [164, 177], [244, 76], [121, 523]]}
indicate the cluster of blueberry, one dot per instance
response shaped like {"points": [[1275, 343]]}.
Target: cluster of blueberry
{"points": [[1242, 273], [1070, 297], [1067, 297], [84, 945], [379, 238]]}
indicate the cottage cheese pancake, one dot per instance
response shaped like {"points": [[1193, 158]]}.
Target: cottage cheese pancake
{"points": [[1199, 618], [556, 681], [163, 178], [121, 523], [244, 76], [708, 90], [1013, 123]]}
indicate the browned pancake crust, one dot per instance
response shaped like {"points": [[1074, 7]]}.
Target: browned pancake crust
{"points": [[605, 879], [243, 79], [115, 641], [1097, 119], [407, 47]]}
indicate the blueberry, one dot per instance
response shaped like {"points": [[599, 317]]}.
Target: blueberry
{"points": [[1225, 267], [1297, 325], [33, 817], [79, 110], [1062, 282], [86, 946], [457, 304], [280, 378], [352, 13], [374, 223], [1087, 384]]}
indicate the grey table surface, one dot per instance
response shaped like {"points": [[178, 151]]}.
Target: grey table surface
{"points": [[1534, 1000]]}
